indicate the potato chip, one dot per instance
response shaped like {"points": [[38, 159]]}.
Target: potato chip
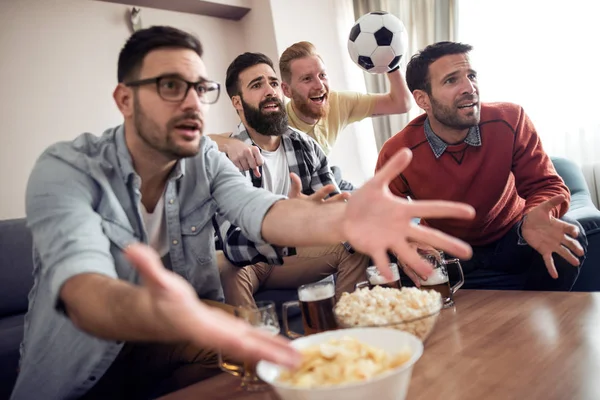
{"points": [[340, 361]]}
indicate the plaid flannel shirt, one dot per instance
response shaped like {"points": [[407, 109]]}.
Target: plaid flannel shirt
{"points": [[306, 159]]}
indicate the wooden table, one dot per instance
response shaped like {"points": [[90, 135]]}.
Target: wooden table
{"points": [[492, 345]]}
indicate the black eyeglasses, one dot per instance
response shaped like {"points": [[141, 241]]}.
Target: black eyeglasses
{"points": [[175, 89]]}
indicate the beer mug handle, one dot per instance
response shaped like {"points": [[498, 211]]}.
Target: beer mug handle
{"points": [[461, 281], [284, 317], [361, 285], [229, 367]]}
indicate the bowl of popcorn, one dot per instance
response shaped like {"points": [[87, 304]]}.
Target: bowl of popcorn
{"points": [[409, 309], [349, 364]]}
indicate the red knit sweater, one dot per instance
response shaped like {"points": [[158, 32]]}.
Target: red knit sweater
{"points": [[502, 179]]}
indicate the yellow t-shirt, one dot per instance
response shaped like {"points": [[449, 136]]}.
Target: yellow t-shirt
{"points": [[344, 109]]}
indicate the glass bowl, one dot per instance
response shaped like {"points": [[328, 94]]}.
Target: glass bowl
{"points": [[421, 326]]}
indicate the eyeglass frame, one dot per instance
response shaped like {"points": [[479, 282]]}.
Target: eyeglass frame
{"points": [[156, 81]]}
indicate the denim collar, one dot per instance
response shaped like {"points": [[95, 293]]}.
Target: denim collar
{"points": [[439, 146], [126, 163]]}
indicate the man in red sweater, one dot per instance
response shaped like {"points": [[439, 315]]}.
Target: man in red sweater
{"points": [[489, 156]]}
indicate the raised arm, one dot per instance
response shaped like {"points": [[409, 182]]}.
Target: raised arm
{"points": [[398, 100], [373, 221]]}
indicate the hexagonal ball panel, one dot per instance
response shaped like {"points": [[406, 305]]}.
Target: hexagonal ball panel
{"points": [[393, 23], [365, 44], [370, 23]]}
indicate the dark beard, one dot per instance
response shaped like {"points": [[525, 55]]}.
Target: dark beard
{"points": [[269, 124], [151, 133], [449, 116]]}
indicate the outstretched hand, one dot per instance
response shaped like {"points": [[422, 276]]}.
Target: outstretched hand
{"points": [[319, 195], [376, 221], [246, 157], [548, 235], [176, 305]]}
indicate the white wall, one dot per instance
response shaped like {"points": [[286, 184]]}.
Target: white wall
{"points": [[59, 63], [326, 25], [58, 70]]}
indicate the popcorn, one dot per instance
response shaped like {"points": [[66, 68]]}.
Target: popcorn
{"points": [[408, 309]]}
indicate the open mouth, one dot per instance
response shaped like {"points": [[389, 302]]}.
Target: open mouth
{"points": [[190, 128], [270, 107], [319, 99], [469, 105]]}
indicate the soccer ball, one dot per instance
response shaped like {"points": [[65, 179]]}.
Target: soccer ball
{"points": [[377, 42]]}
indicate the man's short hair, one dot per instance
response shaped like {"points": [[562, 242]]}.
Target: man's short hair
{"points": [[144, 41], [239, 65], [417, 70], [294, 52]]}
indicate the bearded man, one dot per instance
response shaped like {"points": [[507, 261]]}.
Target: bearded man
{"points": [[295, 166]]}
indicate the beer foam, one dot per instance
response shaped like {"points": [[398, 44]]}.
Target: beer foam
{"points": [[316, 293], [379, 280], [437, 277], [270, 329]]}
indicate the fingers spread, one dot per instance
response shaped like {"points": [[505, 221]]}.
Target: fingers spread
{"points": [[440, 209], [323, 192], [556, 201], [549, 261], [382, 262], [237, 338], [412, 275], [296, 186], [573, 245], [339, 197], [438, 240], [413, 261], [568, 256], [570, 229], [255, 154]]}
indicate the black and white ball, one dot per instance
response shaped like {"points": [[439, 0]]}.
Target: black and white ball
{"points": [[377, 42]]}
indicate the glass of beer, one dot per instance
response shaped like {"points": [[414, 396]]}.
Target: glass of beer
{"points": [[374, 278], [438, 280], [263, 316], [316, 302]]}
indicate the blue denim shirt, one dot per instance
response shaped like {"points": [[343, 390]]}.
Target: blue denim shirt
{"points": [[83, 209]]}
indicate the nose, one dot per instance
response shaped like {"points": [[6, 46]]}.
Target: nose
{"points": [[319, 84], [191, 102], [470, 87]]}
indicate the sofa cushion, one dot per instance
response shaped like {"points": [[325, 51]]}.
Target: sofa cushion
{"points": [[11, 334], [16, 266]]}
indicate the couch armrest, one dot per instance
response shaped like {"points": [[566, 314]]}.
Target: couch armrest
{"points": [[582, 208]]}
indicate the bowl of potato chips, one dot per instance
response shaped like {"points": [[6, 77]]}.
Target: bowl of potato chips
{"points": [[348, 364]]}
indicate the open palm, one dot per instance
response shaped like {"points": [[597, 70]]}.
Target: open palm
{"points": [[177, 307], [376, 221], [548, 235]]}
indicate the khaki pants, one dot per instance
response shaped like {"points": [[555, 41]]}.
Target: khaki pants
{"points": [[149, 370], [311, 264]]}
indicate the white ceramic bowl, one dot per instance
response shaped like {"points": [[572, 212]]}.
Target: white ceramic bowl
{"points": [[392, 385]]}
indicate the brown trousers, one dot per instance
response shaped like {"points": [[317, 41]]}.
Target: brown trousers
{"points": [[148, 370], [311, 264]]}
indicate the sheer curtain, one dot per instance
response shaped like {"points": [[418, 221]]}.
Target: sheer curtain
{"points": [[540, 54], [427, 21]]}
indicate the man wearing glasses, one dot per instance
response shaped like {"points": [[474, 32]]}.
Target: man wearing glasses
{"points": [[111, 318]]}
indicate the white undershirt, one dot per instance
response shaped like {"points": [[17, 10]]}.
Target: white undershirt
{"points": [[276, 176], [156, 227]]}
